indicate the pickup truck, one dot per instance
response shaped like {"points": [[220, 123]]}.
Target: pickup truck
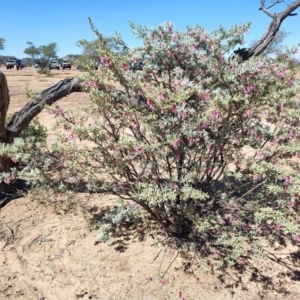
{"points": [[54, 65], [66, 65], [10, 64]]}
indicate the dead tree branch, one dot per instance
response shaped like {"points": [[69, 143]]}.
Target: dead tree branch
{"points": [[277, 19], [33, 107]]}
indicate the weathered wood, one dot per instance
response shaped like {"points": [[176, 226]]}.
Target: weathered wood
{"points": [[277, 19], [33, 107], [4, 103]]}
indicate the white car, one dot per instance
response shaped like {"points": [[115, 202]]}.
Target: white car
{"points": [[10, 64], [54, 65]]}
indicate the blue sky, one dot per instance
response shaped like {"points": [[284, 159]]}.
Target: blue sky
{"points": [[66, 21]]}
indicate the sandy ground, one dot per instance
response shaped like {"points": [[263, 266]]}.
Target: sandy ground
{"points": [[48, 255]]}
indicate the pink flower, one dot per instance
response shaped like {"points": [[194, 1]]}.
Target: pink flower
{"points": [[105, 61], [93, 84], [259, 154], [274, 144], [175, 185], [59, 110], [161, 96], [125, 67], [193, 48], [255, 177], [150, 103], [214, 114], [249, 112], [212, 48], [71, 137], [277, 227], [221, 59], [202, 96], [138, 149], [10, 178], [222, 222], [176, 143], [173, 109], [133, 125], [289, 80], [288, 180], [192, 140], [169, 29], [248, 89]]}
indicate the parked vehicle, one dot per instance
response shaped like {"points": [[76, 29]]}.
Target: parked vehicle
{"points": [[11, 63], [66, 65], [54, 65], [137, 66]]}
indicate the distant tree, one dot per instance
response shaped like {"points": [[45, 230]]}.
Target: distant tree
{"points": [[3, 59], [42, 55], [2, 41], [276, 46], [90, 48], [28, 61]]}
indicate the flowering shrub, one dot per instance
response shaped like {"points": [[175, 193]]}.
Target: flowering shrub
{"points": [[207, 146], [36, 130]]}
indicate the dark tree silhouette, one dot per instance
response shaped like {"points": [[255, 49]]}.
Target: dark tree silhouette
{"points": [[277, 18]]}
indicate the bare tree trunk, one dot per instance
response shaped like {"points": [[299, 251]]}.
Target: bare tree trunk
{"points": [[4, 104], [259, 47]]}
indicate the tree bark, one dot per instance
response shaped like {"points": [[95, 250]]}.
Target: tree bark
{"points": [[21, 119], [259, 47]]}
